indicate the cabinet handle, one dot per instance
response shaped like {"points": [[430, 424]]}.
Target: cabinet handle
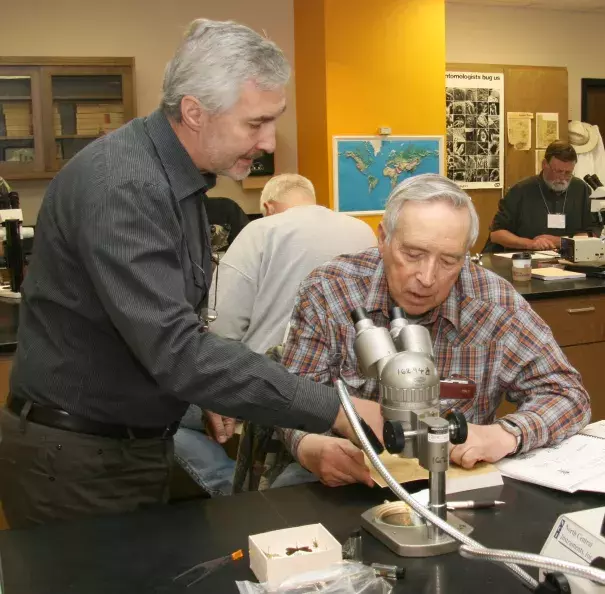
{"points": [[581, 310]]}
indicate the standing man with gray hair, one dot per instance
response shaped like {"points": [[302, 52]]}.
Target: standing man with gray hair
{"points": [[112, 342], [481, 329]]}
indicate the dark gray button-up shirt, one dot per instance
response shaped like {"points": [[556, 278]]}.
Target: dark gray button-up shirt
{"points": [[108, 327]]}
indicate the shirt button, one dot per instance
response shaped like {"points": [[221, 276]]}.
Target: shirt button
{"points": [[51, 479], [59, 447]]}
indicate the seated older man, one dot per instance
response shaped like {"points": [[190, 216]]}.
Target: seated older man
{"points": [[480, 326]]}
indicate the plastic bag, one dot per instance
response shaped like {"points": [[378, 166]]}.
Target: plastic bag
{"points": [[346, 577]]}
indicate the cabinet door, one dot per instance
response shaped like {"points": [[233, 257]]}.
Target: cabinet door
{"points": [[588, 360], [21, 137], [82, 104]]}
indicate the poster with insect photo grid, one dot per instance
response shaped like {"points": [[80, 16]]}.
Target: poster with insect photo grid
{"points": [[474, 109]]}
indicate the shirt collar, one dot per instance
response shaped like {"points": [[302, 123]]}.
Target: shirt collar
{"points": [[379, 299], [184, 177]]}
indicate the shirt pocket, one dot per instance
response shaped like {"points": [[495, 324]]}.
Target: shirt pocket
{"points": [[480, 364]]}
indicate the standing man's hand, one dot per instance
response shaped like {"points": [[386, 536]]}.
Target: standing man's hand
{"points": [[335, 461], [369, 411], [218, 427], [485, 443]]}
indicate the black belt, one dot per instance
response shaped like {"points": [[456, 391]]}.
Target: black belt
{"points": [[60, 419]]}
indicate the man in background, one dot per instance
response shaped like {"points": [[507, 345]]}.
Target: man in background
{"points": [[260, 274], [256, 284], [539, 210]]}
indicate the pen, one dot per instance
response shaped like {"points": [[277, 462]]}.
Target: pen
{"points": [[478, 504]]}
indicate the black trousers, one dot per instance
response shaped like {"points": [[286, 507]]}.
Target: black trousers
{"points": [[49, 474]]}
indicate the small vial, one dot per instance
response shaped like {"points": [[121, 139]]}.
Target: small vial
{"points": [[352, 548], [393, 572], [356, 551]]}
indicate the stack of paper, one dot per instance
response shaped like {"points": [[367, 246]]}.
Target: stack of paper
{"points": [[556, 274], [576, 464]]}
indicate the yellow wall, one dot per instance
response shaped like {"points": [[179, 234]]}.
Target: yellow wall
{"points": [[384, 65], [311, 108]]}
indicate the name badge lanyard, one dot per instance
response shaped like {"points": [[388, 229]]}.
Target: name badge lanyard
{"points": [[550, 215]]}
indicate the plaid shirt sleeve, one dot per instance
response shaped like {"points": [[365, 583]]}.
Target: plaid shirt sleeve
{"points": [[552, 402], [309, 348]]}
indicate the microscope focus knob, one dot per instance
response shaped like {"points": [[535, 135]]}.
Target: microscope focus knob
{"points": [[394, 437], [458, 427]]}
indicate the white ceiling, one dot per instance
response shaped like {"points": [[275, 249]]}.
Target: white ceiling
{"points": [[572, 5]]}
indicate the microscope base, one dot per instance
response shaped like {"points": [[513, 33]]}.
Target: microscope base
{"points": [[384, 522]]}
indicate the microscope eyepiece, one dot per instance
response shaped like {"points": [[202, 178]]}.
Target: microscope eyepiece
{"points": [[359, 313]]}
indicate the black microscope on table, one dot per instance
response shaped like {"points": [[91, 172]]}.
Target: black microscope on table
{"points": [[11, 218]]}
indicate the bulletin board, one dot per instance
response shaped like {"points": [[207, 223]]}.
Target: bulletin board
{"points": [[535, 89]]}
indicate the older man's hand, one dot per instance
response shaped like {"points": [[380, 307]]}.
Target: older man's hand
{"points": [[485, 443], [334, 460]]}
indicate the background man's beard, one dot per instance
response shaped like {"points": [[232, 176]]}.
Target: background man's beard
{"points": [[557, 186]]}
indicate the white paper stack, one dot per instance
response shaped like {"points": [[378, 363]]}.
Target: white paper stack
{"points": [[556, 274], [576, 464]]}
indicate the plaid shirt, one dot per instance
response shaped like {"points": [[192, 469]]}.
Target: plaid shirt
{"points": [[484, 331]]}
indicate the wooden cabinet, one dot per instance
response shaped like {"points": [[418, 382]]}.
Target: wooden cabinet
{"points": [[6, 362], [574, 320], [578, 324], [50, 108], [589, 360]]}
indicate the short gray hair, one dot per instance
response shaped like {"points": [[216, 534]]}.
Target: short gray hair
{"points": [[278, 188], [213, 62], [428, 187]]}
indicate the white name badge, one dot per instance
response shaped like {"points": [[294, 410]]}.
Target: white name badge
{"points": [[556, 221]]}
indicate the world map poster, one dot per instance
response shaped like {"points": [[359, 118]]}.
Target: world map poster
{"points": [[367, 168]]}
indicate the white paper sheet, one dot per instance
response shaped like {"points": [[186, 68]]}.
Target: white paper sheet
{"points": [[547, 129], [567, 467]]}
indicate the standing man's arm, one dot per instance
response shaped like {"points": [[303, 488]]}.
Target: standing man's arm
{"points": [[128, 249], [310, 352]]}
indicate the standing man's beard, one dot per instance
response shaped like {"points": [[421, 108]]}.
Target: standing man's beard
{"points": [[557, 186]]}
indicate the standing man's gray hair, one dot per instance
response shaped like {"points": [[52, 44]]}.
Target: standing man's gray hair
{"points": [[428, 187], [213, 62]]}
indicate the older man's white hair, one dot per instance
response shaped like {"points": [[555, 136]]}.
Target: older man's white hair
{"points": [[290, 189], [428, 187]]}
